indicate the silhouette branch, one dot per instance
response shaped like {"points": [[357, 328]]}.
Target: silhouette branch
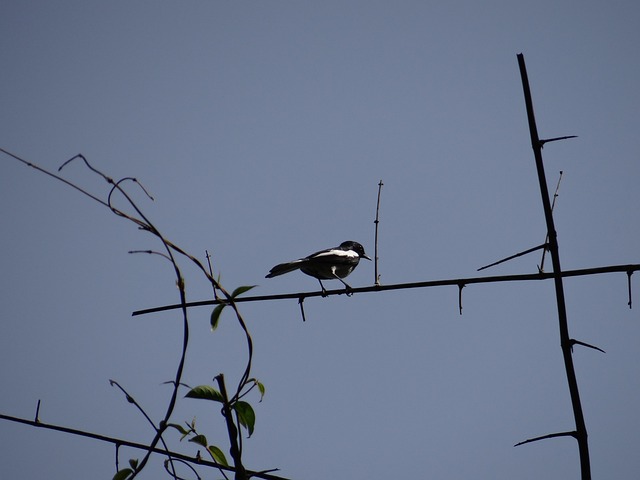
{"points": [[404, 286], [170, 251], [533, 249], [544, 437], [137, 446], [565, 342], [376, 276]]}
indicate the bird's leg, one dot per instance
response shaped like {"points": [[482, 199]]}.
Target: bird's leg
{"points": [[346, 285], [347, 288], [324, 290]]}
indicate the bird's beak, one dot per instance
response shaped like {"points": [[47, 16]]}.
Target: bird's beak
{"points": [[367, 257]]}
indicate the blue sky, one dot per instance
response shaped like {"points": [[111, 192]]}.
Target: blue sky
{"points": [[262, 130]]}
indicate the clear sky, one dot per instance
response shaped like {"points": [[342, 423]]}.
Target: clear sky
{"points": [[262, 130]]}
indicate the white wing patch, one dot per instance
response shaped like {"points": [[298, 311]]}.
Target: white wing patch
{"points": [[337, 253]]}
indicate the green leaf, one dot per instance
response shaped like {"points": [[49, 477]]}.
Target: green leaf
{"points": [[183, 431], [215, 315], [246, 415], [261, 388], [217, 455], [133, 462], [200, 440], [240, 290], [260, 385], [123, 474], [178, 427], [205, 392]]}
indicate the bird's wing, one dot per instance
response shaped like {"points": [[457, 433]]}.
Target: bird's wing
{"points": [[333, 254]]}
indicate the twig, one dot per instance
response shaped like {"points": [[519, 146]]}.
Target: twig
{"points": [[553, 205], [629, 273], [578, 342], [377, 221], [135, 403], [57, 177], [215, 292], [186, 464], [151, 252], [541, 142], [301, 303], [544, 437], [247, 370], [533, 249]]}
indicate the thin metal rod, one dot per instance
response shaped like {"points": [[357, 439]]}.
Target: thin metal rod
{"points": [[565, 340]]}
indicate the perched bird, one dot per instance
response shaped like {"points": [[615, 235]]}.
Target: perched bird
{"points": [[333, 263]]}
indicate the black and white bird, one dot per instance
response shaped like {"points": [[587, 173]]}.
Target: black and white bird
{"points": [[331, 264]]}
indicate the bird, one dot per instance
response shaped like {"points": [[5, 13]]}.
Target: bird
{"points": [[330, 264]]}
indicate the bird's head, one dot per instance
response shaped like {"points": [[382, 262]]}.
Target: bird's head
{"points": [[356, 247]]}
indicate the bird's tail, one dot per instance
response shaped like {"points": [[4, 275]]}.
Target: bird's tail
{"points": [[283, 268]]}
